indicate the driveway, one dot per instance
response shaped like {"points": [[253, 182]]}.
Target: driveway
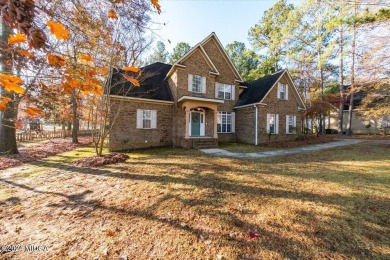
{"points": [[309, 148]]}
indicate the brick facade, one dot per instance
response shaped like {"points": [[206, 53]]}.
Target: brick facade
{"points": [[124, 134], [171, 118]]}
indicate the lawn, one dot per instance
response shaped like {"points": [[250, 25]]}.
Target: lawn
{"points": [[181, 204]]}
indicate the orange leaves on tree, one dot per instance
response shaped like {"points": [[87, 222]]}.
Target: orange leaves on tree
{"points": [[4, 102], [104, 71], [25, 53], [131, 80], [86, 57], [33, 111], [132, 69], [55, 60], [112, 14], [59, 30], [156, 5], [17, 38], [11, 83]]}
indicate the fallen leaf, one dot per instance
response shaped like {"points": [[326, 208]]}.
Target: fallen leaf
{"points": [[253, 234]]}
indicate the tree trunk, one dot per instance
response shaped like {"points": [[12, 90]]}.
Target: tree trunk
{"points": [[75, 118], [349, 125], [8, 116], [341, 82]]}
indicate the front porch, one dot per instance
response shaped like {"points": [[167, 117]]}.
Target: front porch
{"points": [[201, 122]]}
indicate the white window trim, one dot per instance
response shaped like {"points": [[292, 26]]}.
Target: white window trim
{"points": [[280, 85], [276, 124], [232, 122], [140, 119], [223, 87], [294, 124]]}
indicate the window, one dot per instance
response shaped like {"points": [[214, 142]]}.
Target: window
{"points": [[197, 84], [224, 91], [225, 122], [146, 119], [290, 124], [282, 91], [272, 123]]}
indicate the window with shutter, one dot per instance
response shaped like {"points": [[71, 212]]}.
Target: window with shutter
{"points": [[146, 119], [197, 84]]}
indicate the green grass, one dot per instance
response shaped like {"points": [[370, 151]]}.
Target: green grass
{"points": [[181, 204]]}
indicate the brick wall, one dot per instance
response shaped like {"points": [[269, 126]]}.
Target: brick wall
{"points": [[281, 107], [245, 124], [125, 135]]}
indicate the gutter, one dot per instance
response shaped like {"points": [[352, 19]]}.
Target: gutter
{"points": [[256, 124]]}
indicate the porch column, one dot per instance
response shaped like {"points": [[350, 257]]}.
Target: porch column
{"points": [[187, 133], [215, 123]]}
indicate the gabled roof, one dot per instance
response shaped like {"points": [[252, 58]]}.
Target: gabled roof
{"points": [[152, 83], [257, 90], [212, 66]]}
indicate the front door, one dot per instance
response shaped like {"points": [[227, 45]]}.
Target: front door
{"points": [[195, 123]]}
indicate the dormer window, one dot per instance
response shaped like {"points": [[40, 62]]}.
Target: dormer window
{"points": [[282, 91]]}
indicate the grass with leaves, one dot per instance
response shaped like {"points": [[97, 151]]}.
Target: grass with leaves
{"points": [[181, 204]]}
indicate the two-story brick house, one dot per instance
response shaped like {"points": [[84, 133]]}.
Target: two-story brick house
{"points": [[200, 100]]}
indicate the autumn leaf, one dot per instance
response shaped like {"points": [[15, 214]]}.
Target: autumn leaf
{"points": [[33, 111], [132, 69], [156, 5], [86, 57], [58, 30], [11, 83], [55, 60], [104, 71], [112, 14], [4, 102], [17, 38], [132, 80], [25, 53]]}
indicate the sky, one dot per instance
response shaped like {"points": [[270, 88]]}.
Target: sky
{"points": [[193, 20]]}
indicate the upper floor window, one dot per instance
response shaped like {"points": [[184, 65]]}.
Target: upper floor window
{"points": [[224, 91], [282, 91], [196, 83]]}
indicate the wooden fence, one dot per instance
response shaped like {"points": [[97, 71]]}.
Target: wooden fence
{"points": [[32, 135]]}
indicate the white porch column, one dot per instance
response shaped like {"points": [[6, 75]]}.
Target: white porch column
{"points": [[215, 123], [187, 133]]}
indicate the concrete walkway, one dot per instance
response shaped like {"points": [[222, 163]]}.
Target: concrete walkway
{"points": [[309, 148]]}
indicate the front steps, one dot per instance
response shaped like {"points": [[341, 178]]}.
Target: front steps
{"points": [[205, 143]]}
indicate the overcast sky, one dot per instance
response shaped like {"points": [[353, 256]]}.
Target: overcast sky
{"points": [[192, 20]]}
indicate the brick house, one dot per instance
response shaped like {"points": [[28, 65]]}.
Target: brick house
{"points": [[200, 100]]}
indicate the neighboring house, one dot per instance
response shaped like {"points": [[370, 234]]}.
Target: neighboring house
{"points": [[200, 100], [360, 124]]}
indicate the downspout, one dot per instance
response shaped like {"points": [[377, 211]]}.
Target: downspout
{"points": [[256, 124]]}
